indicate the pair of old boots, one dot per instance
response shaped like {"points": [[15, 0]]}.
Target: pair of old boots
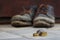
{"points": [[42, 16]]}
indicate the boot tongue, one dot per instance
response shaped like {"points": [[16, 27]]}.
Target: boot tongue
{"points": [[44, 9]]}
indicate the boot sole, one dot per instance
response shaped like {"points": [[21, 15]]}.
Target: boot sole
{"points": [[42, 24], [20, 23]]}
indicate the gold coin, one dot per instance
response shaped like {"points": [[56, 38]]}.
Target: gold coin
{"points": [[43, 34], [35, 34]]}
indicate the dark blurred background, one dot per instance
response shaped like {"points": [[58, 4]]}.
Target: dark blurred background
{"points": [[9, 8]]}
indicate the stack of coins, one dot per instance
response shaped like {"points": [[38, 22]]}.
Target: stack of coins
{"points": [[39, 33]]}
